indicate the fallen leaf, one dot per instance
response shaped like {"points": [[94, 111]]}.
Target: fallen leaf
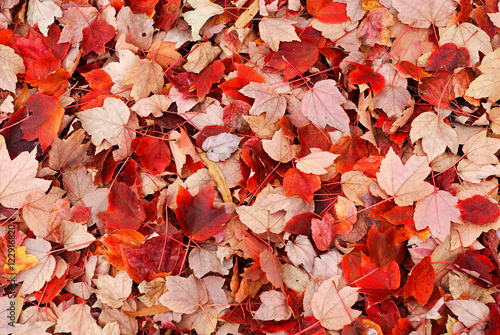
{"points": [[267, 100], [146, 77], [275, 30], [478, 210], [335, 312], [425, 13], [184, 295], [113, 291], [43, 14], [404, 182], [322, 105], [17, 178], [203, 10], [274, 307], [420, 282], [11, 64]]}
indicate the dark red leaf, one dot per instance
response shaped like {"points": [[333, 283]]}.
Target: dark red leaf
{"points": [[478, 210], [197, 216]]}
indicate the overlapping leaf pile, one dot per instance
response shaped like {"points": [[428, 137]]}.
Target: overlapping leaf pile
{"points": [[249, 167]]}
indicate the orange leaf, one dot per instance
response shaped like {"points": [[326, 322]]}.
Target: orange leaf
{"points": [[420, 283], [302, 184], [45, 119]]}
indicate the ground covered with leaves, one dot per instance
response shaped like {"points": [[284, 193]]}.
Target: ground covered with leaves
{"points": [[249, 167]]}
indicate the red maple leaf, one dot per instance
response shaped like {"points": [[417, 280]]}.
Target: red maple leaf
{"points": [[197, 216]]}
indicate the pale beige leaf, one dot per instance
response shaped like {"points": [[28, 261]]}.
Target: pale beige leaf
{"points": [[267, 100], [274, 307], [137, 28], [207, 113], [204, 259], [436, 211], [405, 182], [494, 116], [355, 184], [334, 312], [220, 147], [78, 183], [107, 122], [473, 172], [260, 220], [301, 252], [151, 291], [481, 149], [487, 85], [260, 127], [271, 266], [154, 105], [327, 265], [471, 37], [113, 291], [36, 328], [42, 12], [217, 295], [322, 104], [465, 234], [163, 52], [203, 10], [294, 277], [118, 70], [10, 65], [74, 235], [18, 178], [421, 14], [68, 152], [436, 135], [128, 324], [145, 77], [36, 212], [34, 278], [278, 148], [316, 162], [75, 320], [200, 56], [204, 320], [109, 329], [74, 20], [184, 295], [392, 100], [469, 312], [274, 30]]}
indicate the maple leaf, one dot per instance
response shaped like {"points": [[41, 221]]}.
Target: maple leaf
{"points": [[11, 64], [113, 291], [184, 295], [334, 312], [327, 11], [197, 216], [267, 100], [487, 85], [364, 74], [420, 282], [425, 13], [96, 36], [145, 77], [35, 277], [107, 122], [42, 13], [125, 210], [74, 20], [220, 147], [404, 182], [24, 261], [323, 231], [481, 149], [436, 135], [436, 211], [316, 162], [203, 10], [76, 319], [322, 104], [469, 312], [274, 30], [45, 119], [17, 178], [274, 307], [478, 210]]}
